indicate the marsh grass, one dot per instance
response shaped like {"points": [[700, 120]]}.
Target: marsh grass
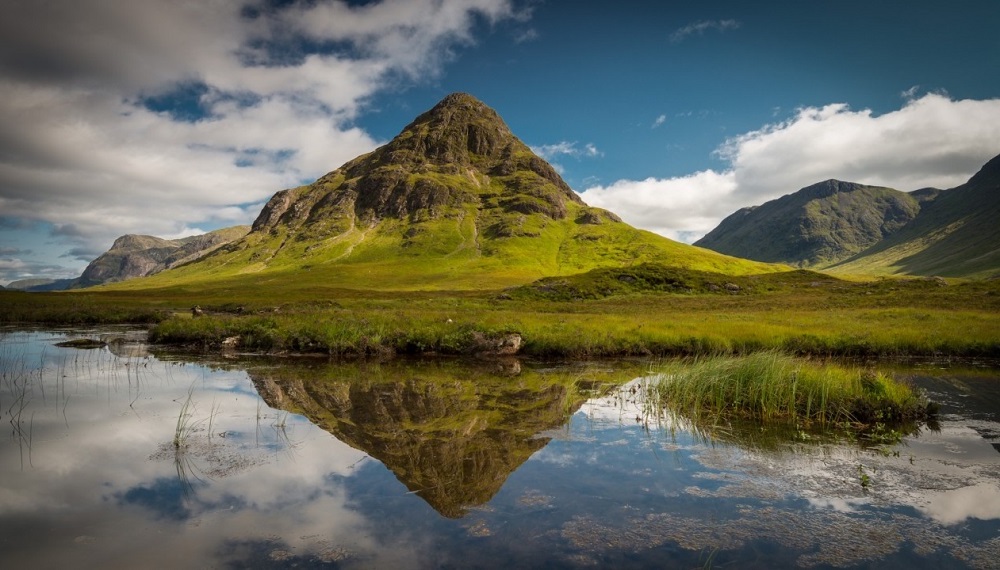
{"points": [[773, 386], [18, 383], [186, 423], [646, 312]]}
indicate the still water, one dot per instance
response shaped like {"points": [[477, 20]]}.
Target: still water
{"points": [[120, 457]]}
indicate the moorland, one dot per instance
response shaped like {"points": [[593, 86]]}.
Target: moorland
{"points": [[455, 238]]}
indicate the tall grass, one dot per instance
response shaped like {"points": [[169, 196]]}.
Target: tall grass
{"points": [[771, 385], [185, 421]]}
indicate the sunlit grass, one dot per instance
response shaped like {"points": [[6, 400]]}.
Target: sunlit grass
{"points": [[798, 313], [770, 385]]}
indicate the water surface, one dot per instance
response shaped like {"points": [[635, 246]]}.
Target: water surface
{"points": [[117, 457]]}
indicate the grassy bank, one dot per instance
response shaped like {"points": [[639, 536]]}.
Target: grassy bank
{"points": [[771, 386], [600, 332], [797, 313]]}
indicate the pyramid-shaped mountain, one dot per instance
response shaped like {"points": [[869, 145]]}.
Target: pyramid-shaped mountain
{"points": [[815, 226], [455, 201]]}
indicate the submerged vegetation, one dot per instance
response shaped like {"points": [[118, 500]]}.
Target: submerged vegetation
{"points": [[771, 386]]}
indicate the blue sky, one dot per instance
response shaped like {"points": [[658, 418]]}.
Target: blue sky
{"points": [[170, 118]]}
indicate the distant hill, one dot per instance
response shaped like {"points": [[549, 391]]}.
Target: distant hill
{"points": [[957, 234], [134, 256], [852, 228], [455, 201], [40, 284], [816, 226]]}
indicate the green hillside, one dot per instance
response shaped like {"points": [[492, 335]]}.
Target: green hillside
{"points": [[955, 235], [816, 226], [454, 202]]}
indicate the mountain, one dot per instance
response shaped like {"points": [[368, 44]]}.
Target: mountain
{"points": [[41, 284], [455, 201], [957, 234], [818, 225], [139, 255]]}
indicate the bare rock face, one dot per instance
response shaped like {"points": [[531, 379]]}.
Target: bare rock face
{"points": [[134, 256]]}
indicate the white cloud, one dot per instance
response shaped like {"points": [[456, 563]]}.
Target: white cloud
{"points": [[566, 148], [931, 141], [670, 207], [659, 121], [80, 151], [552, 152], [700, 27]]}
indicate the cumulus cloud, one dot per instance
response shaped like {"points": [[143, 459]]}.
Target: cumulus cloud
{"points": [[932, 141], [700, 27], [659, 121], [275, 92], [672, 207]]}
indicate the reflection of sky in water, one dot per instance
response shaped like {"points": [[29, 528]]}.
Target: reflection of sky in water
{"points": [[102, 478], [102, 486]]}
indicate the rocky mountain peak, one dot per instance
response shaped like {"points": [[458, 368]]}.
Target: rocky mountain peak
{"points": [[457, 155]]}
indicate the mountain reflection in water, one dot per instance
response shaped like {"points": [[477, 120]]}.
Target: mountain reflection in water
{"points": [[451, 432]]}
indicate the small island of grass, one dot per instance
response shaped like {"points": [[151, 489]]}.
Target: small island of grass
{"points": [[771, 386]]}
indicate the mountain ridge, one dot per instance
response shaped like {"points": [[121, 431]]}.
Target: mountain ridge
{"points": [[955, 235], [927, 232], [819, 224]]}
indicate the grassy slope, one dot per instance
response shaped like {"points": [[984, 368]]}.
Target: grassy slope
{"points": [[449, 253], [955, 235]]}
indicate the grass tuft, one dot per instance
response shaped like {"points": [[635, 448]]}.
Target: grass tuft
{"points": [[771, 385]]}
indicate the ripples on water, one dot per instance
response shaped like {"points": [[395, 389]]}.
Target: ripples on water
{"points": [[447, 464]]}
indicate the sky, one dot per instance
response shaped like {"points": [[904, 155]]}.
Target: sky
{"points": [[176, 117]]}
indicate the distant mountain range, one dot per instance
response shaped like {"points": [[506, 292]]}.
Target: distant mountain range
{"points": [[456, 201], [852, 228]]}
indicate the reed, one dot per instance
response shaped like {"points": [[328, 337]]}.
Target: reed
{"points": [[185, 421], [771, 385]]}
